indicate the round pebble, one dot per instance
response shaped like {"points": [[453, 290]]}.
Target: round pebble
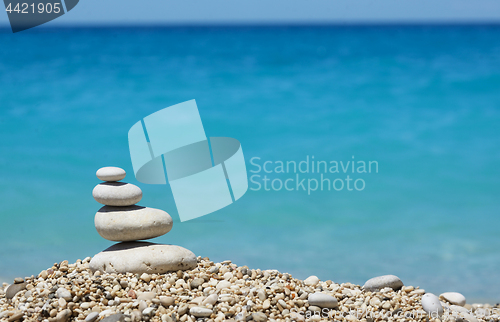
{"points": [[259, 317], [200, 312], [148, 311], [261, 294], [131, 223], [453, 298], [145, 277], [117, 194], [380, 282], [167, 301], [211, 299], [322, 300], [431, 305], [143, 257], [63, 316], [197, 282], [63, 294], [311, 280], [223, 284], [18, 280], [111, 174]]}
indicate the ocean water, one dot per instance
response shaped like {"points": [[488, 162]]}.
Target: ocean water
{"points": [[421, 102]]}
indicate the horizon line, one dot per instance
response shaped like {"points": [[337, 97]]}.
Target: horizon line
{"points": [[374, 23]]}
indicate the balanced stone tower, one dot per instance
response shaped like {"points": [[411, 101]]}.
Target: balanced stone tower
{"points": [[123, 221]]}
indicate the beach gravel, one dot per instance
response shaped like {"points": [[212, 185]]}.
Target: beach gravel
{"points": [[241, 296]]}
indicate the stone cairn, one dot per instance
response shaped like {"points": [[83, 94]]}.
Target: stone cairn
{"points": [[123, 221]]}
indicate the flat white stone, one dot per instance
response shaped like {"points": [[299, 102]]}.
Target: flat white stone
{"points": [[379, 282], [117, 194], [143, 257], [322, 300], [453, 298], [131, 223], [431, 305], [111, 174]]}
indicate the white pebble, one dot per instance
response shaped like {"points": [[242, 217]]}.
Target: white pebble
{"points": [[148, 311], [431, 305], [212, 299], [200, 312], [311, 280], [64, 294], [381, 282], [223, 284], [111, 174], [453, 298], [322, 300], [117, 194]]}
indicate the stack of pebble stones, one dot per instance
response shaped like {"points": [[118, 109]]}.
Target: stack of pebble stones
{"points": [[122, 220]]}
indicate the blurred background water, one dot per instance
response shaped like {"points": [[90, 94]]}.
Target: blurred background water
{"points": [[423, 101]]}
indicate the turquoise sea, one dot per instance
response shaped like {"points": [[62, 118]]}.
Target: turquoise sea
{"points": [[423, 102]]}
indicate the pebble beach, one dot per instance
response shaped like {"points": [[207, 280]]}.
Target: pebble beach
{"points": [[419, 100], [135, 280], [215, 292]]}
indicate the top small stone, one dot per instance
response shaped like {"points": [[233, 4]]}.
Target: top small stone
{"points": [[111, 174]]}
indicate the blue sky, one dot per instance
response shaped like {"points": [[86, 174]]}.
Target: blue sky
{"points": [[277, 11]]}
